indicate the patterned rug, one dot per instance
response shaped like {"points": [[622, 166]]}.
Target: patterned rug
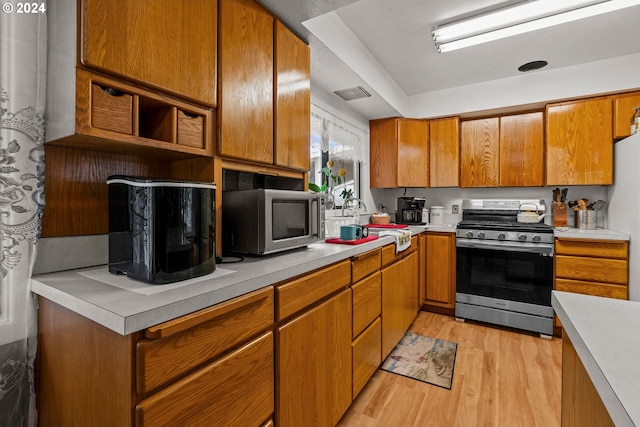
{"points": [[426, 359]]}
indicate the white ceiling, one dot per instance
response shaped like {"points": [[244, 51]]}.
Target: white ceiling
{"points": [[385, 46]]}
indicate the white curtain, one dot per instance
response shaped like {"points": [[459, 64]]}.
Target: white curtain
{"points": [[345, 145], [23, 46]]}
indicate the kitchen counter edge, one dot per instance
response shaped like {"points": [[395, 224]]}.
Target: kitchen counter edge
{"points": [[126, 312]]}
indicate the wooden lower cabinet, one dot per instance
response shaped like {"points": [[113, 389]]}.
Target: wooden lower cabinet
{"points": [[236, 390], [581, 403], [314, 365], [592, 267], [211, 367], [366, 355], [393, 313], [411, 284], [441, 270]]}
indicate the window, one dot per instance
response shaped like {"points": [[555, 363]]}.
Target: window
{"points": [[334, 139]]}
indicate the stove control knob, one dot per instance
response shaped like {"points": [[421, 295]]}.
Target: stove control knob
{"points": [[522, 237], [481, 235], [502, 236], [537, 238], [469, 234]]}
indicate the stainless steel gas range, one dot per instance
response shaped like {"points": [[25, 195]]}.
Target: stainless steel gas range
{"points": [[504, 268]]}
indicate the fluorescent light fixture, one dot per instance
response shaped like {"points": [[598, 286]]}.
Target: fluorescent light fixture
{"points": [[522, 18]]}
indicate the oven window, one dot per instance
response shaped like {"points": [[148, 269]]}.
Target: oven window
{"points": [[290, 218], [507, 275]]}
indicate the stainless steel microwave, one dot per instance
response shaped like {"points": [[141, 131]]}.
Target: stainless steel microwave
{"points": [[265, 221]]}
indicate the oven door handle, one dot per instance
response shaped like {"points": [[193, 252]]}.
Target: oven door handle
{"points": [[544, 249]]}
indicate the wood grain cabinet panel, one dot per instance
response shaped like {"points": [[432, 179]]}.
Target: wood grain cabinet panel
{"points": [[441, 270], [411, 293], [399, 153], [366, 302], [616, 249], [393, 307], [579, 145], [166, 44], [245, 81], [522, 150], [236, 390], [364, 264], [295, 295], [293, 100], [624, 107], [178, 346], [480, 153], [366, 355], [594, 269], [444, 152], [314, 369]]}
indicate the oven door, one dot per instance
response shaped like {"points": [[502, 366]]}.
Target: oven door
{"points": [[521, 272]]}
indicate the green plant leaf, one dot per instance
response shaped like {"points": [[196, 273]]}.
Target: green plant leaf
{"points": [[314, 187]]}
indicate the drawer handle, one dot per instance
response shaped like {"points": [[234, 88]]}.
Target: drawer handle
{"points": [[189, 115], [111, 91]]}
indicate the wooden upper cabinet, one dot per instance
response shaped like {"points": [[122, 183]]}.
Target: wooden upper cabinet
{"points": [[444, 152], [166, 44], [293, 100], [245, 81], [480, 152], [399, 153], [624, 107], [579, 144], [522, 150]]}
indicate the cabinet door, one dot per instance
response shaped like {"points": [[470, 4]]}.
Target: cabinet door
{"points": [[479, 153], [441, 282], [393, 311], [624, 107], [411, 302], [245, 79], [293, 100], [522, 150], [413, 153], [383, 153], [314, 374], [444, 152], [167, 44], [579, 144]]}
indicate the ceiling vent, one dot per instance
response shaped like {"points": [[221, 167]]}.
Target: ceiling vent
{"points": [[352, 93], [532, 66]]}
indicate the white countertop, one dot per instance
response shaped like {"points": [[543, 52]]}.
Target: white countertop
{"points": [[91, 293], [604, 332], [597, 234]]}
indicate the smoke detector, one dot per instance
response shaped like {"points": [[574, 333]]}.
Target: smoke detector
{"points": [[352, 93]]}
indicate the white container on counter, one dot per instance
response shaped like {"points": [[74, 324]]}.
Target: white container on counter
{"points": [[436, 215], [425, 215]]}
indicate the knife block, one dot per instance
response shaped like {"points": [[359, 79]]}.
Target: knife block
{"points": [[560, 214]]}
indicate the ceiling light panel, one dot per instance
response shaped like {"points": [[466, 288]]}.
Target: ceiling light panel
{"points": [[519, 19]]}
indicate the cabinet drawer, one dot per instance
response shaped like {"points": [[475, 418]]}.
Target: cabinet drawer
{"points": [[236, 390], [592, 288], [178, 346], [190, 129], [389, 252], [366, 302], [299, 293], [111, 109], [592, 269], [366, 355], [365, 264], [593, 248]]}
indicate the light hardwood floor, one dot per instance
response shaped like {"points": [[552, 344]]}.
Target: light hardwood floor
{"points": [[501, 378]]}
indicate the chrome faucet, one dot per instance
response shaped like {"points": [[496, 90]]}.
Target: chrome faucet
{"points": [[353, 199]]}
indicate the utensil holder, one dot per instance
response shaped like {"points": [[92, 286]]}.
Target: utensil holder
{"points": [[586, 219], [560, 214]]}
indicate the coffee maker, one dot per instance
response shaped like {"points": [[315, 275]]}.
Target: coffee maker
{"points": [[409, 210]]}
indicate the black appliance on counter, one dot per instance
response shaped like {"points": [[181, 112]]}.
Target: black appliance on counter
{"points": [[409, 210], [504, 268], [161, 230]]}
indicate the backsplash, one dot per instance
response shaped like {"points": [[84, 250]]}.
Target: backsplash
{"points": [[448, 197]]}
